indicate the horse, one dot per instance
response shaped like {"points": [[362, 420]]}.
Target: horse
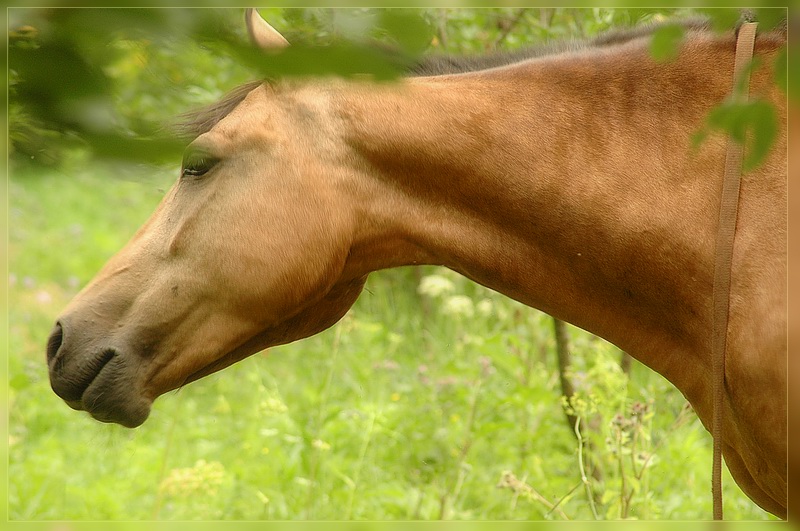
{"points": [[568, 181]]}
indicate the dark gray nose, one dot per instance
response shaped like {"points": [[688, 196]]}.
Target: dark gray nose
{"points": [[54, 342], [89, 373]]}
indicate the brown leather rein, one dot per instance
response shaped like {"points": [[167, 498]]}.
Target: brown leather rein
{"points": [[724, 256]]}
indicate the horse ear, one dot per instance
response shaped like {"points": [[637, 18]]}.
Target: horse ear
{"points": [[261, 33]]}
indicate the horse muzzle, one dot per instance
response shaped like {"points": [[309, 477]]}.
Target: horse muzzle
{"points": [[94, 377]]}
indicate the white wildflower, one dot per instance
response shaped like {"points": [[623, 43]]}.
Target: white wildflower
{"points": [[321, 445], [459, 305], [435, 286], [203, 478], [484, 307], [273, 405]]}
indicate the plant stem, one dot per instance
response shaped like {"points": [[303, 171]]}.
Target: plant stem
{"points": [[452, 494], [510, 26], [623, 506], [165, 457], [317, 428], [442, 28], [359, 465], [587, 485], [561, 500]]}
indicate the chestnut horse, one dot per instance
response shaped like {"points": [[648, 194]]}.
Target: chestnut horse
{"points": [[567, 181]]}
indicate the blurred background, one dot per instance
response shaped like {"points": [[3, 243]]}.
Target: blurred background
{"points": [[433, 399]]}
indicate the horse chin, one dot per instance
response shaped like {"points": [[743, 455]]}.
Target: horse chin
{"points": [[129, 414], [112, 405], [106, 391], [111, 398]]}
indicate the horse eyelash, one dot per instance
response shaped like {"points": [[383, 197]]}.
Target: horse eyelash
{"points": [[197, 167]]}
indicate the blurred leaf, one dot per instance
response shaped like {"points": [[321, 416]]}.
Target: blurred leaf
{"points": [[793, 76], [53, 78], [722, 19], [737, 119], [764, 122], [770, 17], [742, 81], [96, 78], [106, 24], [725, 19], [343, 59], [411, 31], [666, 43], [135, 149], [781, 72]]}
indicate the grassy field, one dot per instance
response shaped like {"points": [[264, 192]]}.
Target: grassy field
{"points": [[432, 399]]}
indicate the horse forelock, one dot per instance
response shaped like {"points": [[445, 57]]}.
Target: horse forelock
{"points": [[194, 123]]}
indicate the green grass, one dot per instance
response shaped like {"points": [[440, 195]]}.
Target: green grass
{"points": [[415, 406]]}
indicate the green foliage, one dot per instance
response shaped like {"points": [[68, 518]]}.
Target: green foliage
{"points": [[617, 423], [781, 72], [124, 74], [754, 124], [666, 43], [110, 79], [759, 116], [406, 28], [722, 19], [342, 59]]}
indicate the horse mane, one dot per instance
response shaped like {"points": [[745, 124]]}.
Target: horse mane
{"points": [[197, 122], [443, 64]]}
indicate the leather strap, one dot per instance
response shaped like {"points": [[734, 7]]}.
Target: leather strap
{"points": [[724, 256]]}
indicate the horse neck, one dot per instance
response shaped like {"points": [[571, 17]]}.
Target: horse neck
{"points": [[566, 183]]}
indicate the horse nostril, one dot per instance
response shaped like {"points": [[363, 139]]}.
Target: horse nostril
{"points": [[54, 343]]}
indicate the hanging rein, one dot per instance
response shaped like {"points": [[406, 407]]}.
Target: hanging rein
{"points": [[724, 256]]}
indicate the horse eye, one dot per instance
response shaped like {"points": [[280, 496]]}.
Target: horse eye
{"points": [[197, 164]]}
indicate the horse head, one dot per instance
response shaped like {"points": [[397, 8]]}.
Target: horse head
{"points": [[246, 251]]}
